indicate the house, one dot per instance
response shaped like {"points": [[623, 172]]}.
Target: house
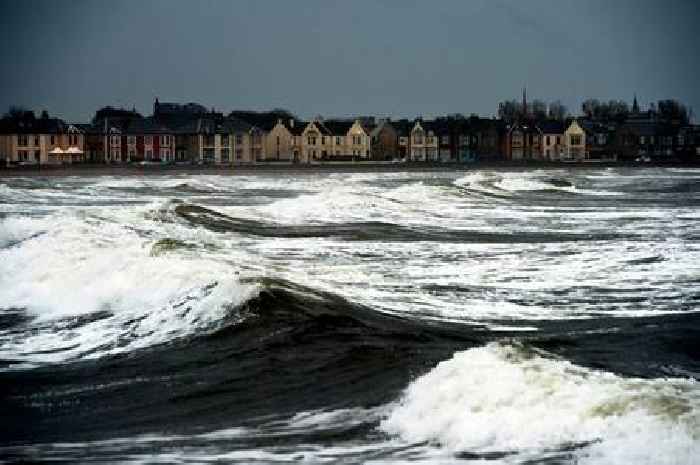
{"points": [[335, 144], [552, 140], [358, 141], [25, 139], [636, 139], [489, 138], [599, 140], [444, 133], [135, 140], [280, 140], [575, 142], [385, 141], [403, 131], [315, 142], [223, 141], [523, 141], [688, 143], [423, 142]]}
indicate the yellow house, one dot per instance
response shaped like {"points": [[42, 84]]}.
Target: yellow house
{"points": [[28, 140], [283, 141], [424, 142], [575, 142], [315, 142], [358, 141]]}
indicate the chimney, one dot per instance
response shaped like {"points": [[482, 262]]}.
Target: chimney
{"points": [[291, 122]]}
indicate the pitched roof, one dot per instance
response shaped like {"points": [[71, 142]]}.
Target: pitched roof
{"points": [[33, 126], [265, 120], [337, 127], [552, 127]]}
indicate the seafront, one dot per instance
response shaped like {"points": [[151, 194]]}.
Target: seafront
{"points": [[189, 134]]}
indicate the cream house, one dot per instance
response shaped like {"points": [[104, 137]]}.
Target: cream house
{"points": [[282, 141], [227, 141], [552, 140], [575, 142], [423, 142], [42, 141], [315, 142], [358, 141]]}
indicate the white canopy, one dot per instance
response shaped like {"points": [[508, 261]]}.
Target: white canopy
{"points": [[57, 151], [74, 150]]}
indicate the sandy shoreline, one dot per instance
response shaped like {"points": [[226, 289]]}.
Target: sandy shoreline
{"points": [[282, 169]]}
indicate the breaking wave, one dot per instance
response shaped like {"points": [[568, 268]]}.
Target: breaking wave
{"points": [[504, 400]]}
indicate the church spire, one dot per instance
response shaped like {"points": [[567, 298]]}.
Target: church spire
{"points": [[635, 105], [525, 102]]}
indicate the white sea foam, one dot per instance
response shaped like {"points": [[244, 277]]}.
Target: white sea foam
{"points": [[79, 267], [502, 398]]}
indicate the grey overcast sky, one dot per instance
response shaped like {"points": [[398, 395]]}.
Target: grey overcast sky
{"points": [[328, 57]]}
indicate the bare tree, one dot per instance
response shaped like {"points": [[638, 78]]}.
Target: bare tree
{"points": [[557, 111]]}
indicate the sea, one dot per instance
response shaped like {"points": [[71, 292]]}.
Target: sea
{"points": [[482, 316]]}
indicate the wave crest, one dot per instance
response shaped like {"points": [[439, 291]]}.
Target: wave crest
{"points": [[507, 399]]}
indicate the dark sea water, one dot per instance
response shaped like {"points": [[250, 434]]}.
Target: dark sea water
{"points": [[490, 317]]}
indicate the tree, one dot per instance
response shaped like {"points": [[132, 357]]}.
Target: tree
{"points": [[557, 111], [672, 110], [538, 109], [510, 110], [590, 107], [18, 112]]}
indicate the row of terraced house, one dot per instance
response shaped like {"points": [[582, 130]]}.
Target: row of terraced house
{"points": [[189, 133]]}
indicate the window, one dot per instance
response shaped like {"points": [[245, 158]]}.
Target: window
{"points": [[257, 138], [36, 141], [164, 140], [114, 140], [337, 140], [37, 155], [131, 140], [131, 154], [149, 154], [312, 140], [239, 154], [208, 155], [224, 140], [418, 139], [278, 140], [323, 140], [239, 139], [558, 140], [681, 140], [225, 155], [445, 139], [116, 155], [148, 140], [576, 139], [209, 141], [547, 141], [642, 140], [22, 140], [53, 140]]}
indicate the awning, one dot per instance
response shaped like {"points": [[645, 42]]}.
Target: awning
{"points": [[74, 150], [57, 151]]}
